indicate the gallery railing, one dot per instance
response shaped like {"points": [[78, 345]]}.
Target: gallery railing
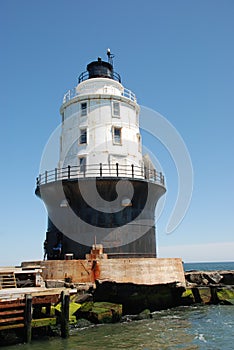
{"points": [[101, 171], [72, 93], [85, 75]]}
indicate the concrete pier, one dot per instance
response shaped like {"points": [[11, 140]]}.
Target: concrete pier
{"points": [[148, 271]]}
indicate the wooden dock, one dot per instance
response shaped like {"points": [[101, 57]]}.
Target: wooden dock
{"points": [[21, 308]]}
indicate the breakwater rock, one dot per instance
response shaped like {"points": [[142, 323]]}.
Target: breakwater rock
{"points": [[207, 278], [209, 287], [137, 297]]}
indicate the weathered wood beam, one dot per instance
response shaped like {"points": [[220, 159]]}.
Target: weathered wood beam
{"points": [[11, 319], [12, 326], [28, 318], [9, 305], [43, 322], [65, 299], [11, 312]]}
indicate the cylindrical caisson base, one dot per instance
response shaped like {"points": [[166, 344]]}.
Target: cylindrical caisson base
{"points": [[82, 212]]}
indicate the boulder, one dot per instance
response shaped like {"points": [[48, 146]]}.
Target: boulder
{"points": [[228, 277], [145, 314], [214, 277], [82, 298], [83, 323], [195, 278], [100, 312], [226, 295]]}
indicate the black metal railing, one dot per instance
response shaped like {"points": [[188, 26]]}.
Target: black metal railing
{"points": [[101, 171], [85, 75]]}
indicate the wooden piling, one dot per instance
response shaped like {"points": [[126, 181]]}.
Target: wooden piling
{"points": [[214, 296], [196, 295], [28, 319], [65, 299]]}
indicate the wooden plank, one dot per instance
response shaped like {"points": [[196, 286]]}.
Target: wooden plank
{"points": [[7, 305], [11, 319], [43, 322], [11, 326], [8, 279], [36, 291], [48, 291], [11, 312], [47, 299]]}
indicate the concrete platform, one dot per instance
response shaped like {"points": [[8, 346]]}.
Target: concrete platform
{"points": [[147, 271]]}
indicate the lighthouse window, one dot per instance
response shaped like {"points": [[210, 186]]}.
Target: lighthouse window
{"points": [[116, 109], [83, 109], [137, 118], [117, 136], [82, 164], [139, 142], [83, 136]]}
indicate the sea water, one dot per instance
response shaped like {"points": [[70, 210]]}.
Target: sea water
{"points": [[209, 266], [191, 327]]}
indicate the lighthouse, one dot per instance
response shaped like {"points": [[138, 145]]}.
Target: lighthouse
{"points": [[104, 190]]}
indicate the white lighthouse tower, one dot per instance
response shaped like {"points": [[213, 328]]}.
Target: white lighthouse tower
{"points": [[103, 190], [103, 119]]}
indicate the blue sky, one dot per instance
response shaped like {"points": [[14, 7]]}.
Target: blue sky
{"points": [[176, 55]]}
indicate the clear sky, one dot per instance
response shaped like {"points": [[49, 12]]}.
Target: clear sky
{"points": [[176, 55]]}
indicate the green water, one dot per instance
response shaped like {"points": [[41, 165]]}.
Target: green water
{"points": [[197, 327]]}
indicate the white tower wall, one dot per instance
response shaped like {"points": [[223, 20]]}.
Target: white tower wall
{"points": [[101, 125]]}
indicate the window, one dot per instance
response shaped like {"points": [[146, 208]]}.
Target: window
{"points": [[83, 136], [137, 118], [116, 109], [117, 136], [139, 142], [61, 144], [83, 107], [82, 164]]}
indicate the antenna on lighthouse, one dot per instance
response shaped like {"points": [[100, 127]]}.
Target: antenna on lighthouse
{"points": [[110, 56]]}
